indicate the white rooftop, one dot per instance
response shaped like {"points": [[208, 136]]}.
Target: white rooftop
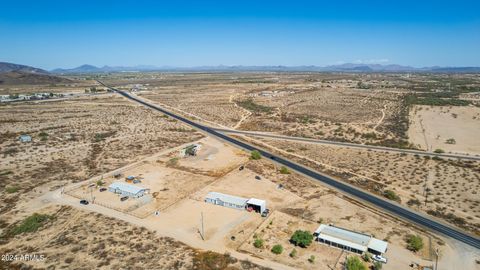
{"points": [[127, 187], [256, 201], [352, 239], [226, 198]]}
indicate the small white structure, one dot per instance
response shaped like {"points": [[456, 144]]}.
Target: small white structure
{"points": [[125, 189], [25, 138], [226, 200], [257, 205], [349, 240]]}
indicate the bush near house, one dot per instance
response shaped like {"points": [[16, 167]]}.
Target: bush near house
{"points": [[414, 242], [354, 263], [301, 238]]}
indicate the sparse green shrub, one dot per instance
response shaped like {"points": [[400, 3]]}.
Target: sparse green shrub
{"points": [[31, 224], [377, 266], [439, 151], [451, 141], [255, 155], [284, 170], [354, 263], [366, 257], [391, 195], [258, 243], [414, 242], [277, 249], [293, 253], [311, 259], [11, 189], [301, 238]]}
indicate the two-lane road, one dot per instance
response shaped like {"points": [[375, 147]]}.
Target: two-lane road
{"points": [[391, 207]]}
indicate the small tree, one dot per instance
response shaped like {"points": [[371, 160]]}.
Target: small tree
{"points": [[255, 155], [277, 249], [366, 257], [414, 242], [311, 259], [293, 253], [301, 238], [439, 151], [284, 170], [100, 182], [354, 263], [258, 243]]}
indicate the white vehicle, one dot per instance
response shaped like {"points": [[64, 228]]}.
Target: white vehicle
{"points": [[379, 258]]}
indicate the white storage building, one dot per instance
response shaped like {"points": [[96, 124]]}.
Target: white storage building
{"points": [[226, 200], [257, 205], [349, 240], [127, 190]]}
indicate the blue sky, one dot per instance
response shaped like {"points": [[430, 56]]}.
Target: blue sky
{"points": [[51, 34]]}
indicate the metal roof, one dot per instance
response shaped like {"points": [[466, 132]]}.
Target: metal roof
{"points": [[127, 187], [226, 198], [349, 238], [378, 245], [256, 202]]}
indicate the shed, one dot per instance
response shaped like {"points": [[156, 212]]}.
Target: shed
{"points": [[226, 200], [257, 205], [25, 138], [127, 190]]}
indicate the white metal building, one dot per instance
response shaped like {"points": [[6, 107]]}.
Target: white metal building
{"points": [[349, 240], [127, 190], [257, 205], [25, 138], [226, 200]]}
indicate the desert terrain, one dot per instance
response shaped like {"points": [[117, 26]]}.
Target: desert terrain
{"points": [[83, 143]]}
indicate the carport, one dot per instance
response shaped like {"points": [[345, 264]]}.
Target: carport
{"points": [[257, 205]]}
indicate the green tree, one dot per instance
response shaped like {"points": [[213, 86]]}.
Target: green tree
{"points": [[354, 263], [366, 257], [258, 243], [255, 155], [277, 249], [414, 242], [301, 238]]}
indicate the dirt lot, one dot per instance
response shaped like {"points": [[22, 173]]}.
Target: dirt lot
{"points": [[410, 177], [76, 239], [452, 129]]}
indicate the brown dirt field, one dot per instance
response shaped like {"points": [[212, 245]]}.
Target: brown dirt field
{"points": [[431, 128], [406, 175], [76, 239]]}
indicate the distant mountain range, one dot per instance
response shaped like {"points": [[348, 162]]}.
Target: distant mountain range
{"points": [[14, 74], [9, 67], [349, 67]]}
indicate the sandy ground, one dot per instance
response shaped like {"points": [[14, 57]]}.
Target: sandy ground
{"points": [[431, 127]]}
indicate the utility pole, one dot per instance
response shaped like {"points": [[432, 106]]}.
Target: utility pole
{"points": [[436, 259], [202, 232]]}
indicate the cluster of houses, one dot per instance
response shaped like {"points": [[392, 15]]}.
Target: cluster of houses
{"points": [[272, 93], [22, 97]]}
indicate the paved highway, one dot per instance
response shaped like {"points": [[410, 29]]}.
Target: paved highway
{"points": [[345, 144], [379, 202]]}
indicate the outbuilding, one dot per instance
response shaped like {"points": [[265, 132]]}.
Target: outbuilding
{"points": [[257, 205], [25, 138], [349, 240], [226, 200], [125, 189]]}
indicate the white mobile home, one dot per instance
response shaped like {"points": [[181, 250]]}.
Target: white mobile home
{"points": [[226, 200], [349, 240], [125, 189]]}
